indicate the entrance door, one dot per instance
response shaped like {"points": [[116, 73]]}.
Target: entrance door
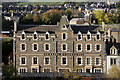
{"points": [[87, 70]]}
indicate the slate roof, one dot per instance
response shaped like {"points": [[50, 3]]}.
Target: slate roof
{"points": [[114, 30], [52, 28]]}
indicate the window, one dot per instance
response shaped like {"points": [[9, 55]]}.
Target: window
{"points": [[47, 47], [23, 60], [88, 61], [97, 70], [22, 70], [35, 47], [64, 26], [64, 36], [34, 70], [64, 60], [23, 47], [64, 47], [98, 36], [97, 61], [35, 60], [47, 61], [79, 47], [112, 61], [88, 36], [79, 70], [97, 47], [79, 61], [113, 51], [79, 36], [35, 36], [88, 48], [47, 36], [46, 70], [23, 36]]}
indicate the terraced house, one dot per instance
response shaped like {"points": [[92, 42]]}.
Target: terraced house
{"points": [[54, 48]]}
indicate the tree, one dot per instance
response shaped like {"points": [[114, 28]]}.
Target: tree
{"points": [[106, 18], [68, 12], [28, 16], [9, 71], [99, 16], [52, 16], [113, 72], [35, 18]]}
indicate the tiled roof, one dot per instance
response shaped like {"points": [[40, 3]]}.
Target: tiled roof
{"points": [[114, 30]]}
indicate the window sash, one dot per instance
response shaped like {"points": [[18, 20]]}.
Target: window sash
{"points": [[79, 60], [22, 60], [79, 47], [46, 60], [88, 61], [64, 60], [23, 46], [88, 47], [34, 60], [97, 61], [35, 46]]}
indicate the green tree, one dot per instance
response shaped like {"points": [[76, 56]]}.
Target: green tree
{"points": [[68, 12], [9, 71], [113, 72], [99, 16], [52, 17], [28, 16]]}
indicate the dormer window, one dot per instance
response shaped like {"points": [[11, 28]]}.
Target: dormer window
{"points": [[64, 26], [47, 36], [113, 51], [35, 36], [98, 36], [79, 36], [88, 35], [23, 35]]}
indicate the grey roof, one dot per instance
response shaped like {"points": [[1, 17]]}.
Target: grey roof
{"points": [[114, 30]]}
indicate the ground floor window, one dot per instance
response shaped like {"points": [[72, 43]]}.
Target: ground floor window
{"points": [[97, 70], [79, 70], [22, 70], [87, 70], [46, 70], [34, 70]]}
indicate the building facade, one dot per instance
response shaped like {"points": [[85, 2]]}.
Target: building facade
{"points": [[55, 48]]}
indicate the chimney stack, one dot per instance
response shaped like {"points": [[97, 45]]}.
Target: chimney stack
{"points": [[16, 19], [103, 26]]}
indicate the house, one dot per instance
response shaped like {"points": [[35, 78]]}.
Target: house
{"points": [[55, 48]]}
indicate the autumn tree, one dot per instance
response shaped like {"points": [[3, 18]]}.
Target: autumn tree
{"points": [[99, 16], [35, 18], [28, 16], [106, 18], [113, 72]]}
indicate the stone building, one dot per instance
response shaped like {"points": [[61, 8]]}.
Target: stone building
{"points": [[54, 48]]}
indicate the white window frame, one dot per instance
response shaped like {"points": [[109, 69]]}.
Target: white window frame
{"points": [[90, 47], [98, 33], [88, 33], [21, 68], [79, 33], [65, 36], [62, 47], [113, 51], [33, 47], [21, 46], [48, 36], [96, 47], [25, 60], [62, 60], [44, 60], [77, 60], [24, 34], [64, 28], [77, 47], [36, 35], [33, 62], [45, 46], [90, 61], [99, 61]]}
